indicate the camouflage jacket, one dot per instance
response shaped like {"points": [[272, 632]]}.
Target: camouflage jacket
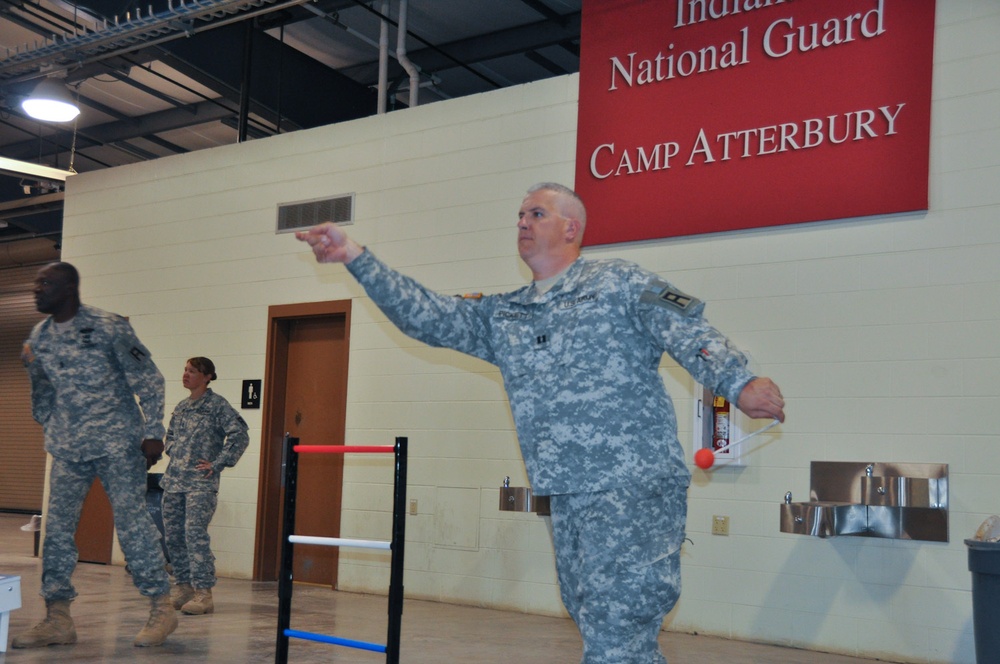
{"points": [[207, 428], [84, 384], [580, 364]]}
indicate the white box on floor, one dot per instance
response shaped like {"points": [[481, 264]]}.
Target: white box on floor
{"points": [[10, 599]]}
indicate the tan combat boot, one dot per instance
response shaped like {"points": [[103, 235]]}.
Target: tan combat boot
{"points": [[162, 622], [200, 604], [56, 630], [181, 594]]}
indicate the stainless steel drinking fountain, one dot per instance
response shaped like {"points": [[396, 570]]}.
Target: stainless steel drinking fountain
{"points": [[520, 499], [890, 500]]}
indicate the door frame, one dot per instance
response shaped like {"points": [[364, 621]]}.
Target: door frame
{"points": [[269, 483]]}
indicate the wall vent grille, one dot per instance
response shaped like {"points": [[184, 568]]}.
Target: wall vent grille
{"points": [[305, 214]]}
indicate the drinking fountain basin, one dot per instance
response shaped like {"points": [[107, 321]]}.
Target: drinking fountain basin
{"points": [[823, 518], [891, 500], [521, 499], [904, 492]]}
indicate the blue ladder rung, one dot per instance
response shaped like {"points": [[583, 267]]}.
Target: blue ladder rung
{"points": [[336, 640]]}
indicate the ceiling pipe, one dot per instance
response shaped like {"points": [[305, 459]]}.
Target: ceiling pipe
{"points": [[383, 58], [386, 23], [410, 68]]}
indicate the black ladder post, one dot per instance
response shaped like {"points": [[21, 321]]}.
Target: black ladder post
{"points": [[396, 562], [290, 468]]}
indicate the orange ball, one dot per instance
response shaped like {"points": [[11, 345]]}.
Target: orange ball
{"points": [[704, 458]]}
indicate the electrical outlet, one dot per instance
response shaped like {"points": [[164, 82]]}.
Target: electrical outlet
{"points": [[413, 505], [720, 525]]}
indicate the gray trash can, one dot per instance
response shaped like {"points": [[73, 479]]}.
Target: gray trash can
{"points": [[984, 563]]}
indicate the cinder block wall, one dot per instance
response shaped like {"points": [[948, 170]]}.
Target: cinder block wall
{"points": [[883, 333]]}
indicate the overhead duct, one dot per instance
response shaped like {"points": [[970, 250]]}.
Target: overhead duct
{"points": [[34, 251]]}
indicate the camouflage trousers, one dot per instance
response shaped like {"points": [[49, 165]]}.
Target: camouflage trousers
{"points": [[124, 480], [186, 517], [618, 559]]}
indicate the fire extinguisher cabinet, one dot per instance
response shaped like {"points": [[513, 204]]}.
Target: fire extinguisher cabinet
{"points": [[716, 423]]}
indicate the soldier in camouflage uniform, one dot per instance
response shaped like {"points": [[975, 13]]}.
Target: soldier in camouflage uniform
{"points": [[579, 350], [87, 368], [205, 435]]}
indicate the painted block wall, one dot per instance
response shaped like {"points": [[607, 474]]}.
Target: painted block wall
{"points": [[883, 333]]}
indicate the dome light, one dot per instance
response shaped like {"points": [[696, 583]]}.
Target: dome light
{"points": [[50, 102]]}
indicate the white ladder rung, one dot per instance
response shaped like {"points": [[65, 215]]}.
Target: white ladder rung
{"points": [[339, 541]]}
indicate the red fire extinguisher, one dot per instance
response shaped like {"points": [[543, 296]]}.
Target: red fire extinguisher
{"points": [[720, 422]]}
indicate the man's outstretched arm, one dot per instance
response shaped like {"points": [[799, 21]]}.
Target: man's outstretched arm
{"points": [[330, 244]]}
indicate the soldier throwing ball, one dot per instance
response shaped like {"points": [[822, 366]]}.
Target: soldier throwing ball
{"points": [[579, 350]]}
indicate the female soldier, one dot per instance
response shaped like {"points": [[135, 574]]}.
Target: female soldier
{"points": [[205, 435]]}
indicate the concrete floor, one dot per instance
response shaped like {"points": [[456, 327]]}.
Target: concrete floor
{"points": [[109, 613]]}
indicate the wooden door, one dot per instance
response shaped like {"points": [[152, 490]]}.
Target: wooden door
{"points": [[313, 419], [305, 396]]}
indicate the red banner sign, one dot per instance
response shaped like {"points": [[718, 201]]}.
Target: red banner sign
{"points": [[698, 116]]}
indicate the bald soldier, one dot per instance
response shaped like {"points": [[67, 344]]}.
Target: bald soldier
{"points": [[579, 349]]}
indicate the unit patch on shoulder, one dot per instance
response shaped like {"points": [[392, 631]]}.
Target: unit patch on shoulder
{"points": [[471, 296], [665, 295]]}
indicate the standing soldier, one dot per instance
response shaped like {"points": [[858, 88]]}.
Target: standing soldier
{"points": [[205, 436], [579, 349], [99, 398]]}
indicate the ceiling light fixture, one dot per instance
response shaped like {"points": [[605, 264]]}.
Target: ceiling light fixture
{"points": [[50, 102]]}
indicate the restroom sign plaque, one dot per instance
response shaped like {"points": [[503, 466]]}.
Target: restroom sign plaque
{"points": [[251, 394]]}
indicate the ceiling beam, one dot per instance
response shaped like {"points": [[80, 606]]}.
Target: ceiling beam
{"points": [[477, 49], [305, 92], [142, 126]]}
